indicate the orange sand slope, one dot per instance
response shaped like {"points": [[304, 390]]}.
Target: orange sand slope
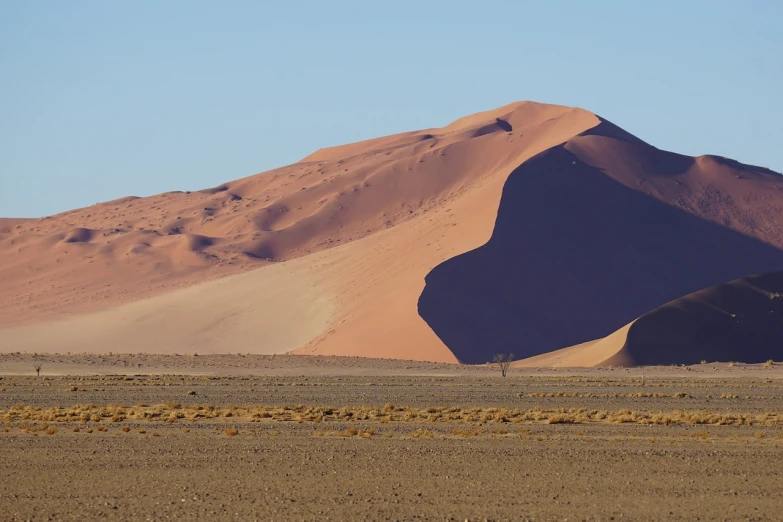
{"points": [[535, 226]]}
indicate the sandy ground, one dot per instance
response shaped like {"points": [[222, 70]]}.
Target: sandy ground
{"points": [[20, 363], [348, 438]]}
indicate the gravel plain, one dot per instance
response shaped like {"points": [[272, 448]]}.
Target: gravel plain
{"points": [[422, 462]]}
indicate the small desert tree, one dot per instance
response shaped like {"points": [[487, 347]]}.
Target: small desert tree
{"points": [[38, 369], [503, 360]]}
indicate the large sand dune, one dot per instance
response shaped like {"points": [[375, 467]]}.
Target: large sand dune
{"points": [[592, 234], [535, 227]]}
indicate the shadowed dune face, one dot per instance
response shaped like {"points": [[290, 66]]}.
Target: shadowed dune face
{"points": [[576, 253], [737, 321]]}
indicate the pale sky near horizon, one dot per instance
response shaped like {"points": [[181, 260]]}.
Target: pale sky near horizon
{"points": [[100, 100]]}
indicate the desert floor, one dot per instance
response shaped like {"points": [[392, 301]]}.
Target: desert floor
{"points": [[308, 438]]}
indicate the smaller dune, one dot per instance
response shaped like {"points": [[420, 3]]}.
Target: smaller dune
{"points": [[198, 242], [259, 249], [741, 320], [8, 225], [737, 321], [79, 235]]}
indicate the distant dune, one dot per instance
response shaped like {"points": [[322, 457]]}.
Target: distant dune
{"points": [[535, 227], [737, 321]]}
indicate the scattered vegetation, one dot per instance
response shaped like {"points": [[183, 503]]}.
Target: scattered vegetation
{"points": [[350, 432], [637, 395], [172, 412]]}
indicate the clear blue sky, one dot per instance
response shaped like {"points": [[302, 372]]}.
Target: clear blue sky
{"points": [[100, 99]]}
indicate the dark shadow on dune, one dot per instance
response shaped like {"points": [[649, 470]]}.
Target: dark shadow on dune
{"points": [[80, 235], [573, 257], [737, 321], [199, 242], [503, 124]]}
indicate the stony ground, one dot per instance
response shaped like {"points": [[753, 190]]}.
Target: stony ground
{"points": [[684, 445]]}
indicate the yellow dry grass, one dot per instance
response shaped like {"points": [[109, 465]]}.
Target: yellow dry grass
{"points": [[174, 412]]}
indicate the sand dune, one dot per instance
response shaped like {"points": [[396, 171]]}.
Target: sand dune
{"points": [[535, 227], [594, 233], [87, 259], [735, 321], [368, 221]]}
